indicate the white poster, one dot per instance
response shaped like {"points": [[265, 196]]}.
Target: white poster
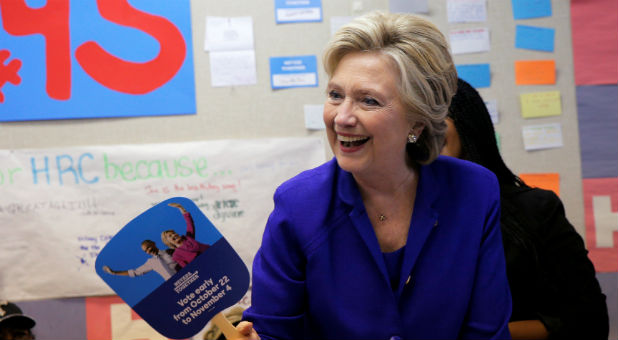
{"points": [[59, 207]]}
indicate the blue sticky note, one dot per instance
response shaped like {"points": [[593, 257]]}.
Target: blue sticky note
{"points": [[291, 11], [534, 38], [526, 9], [173, 268], [297, 71], [478, 75]]}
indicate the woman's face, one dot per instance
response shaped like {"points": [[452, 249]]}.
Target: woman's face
{"points": [[452, 143], [365, 119], [173, 238]]}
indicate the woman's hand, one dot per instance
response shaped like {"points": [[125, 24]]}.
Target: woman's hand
{"points": [[176, 205], [245, 328], [528, 329], [108, 270]]}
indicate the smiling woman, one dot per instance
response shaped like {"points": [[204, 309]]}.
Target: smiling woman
{"points": [[387, 240]]}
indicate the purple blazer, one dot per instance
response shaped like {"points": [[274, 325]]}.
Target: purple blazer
{"points": [[320, 274]]}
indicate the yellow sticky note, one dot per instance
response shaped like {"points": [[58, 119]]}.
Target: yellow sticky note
{"points": [[540, 104], [548, 181]]}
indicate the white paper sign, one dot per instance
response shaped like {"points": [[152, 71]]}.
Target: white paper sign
{"points": [[543, 136], [466, 11], [228, 34], [59, 207], [232, 68], [469, 40]]}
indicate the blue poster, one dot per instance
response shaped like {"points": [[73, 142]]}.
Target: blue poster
{"points": [[298, 71], [174, 268], [88, 59], [292, 11]]}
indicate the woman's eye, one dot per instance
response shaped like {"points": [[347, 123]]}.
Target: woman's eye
{"points": [[370, 102], [334, 95]]}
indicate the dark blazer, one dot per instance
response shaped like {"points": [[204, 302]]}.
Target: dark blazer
{"points": [[320, 274], [550, 275]]}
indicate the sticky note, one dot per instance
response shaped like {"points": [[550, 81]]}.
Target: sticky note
{"points": [[477, 75], [547, 181], [540, 104], [535, 72], [534, 38], [527, 9], [543, 136]]}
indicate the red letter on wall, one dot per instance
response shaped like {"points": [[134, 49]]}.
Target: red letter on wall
{"points": [[52, 21], [131, 77]]}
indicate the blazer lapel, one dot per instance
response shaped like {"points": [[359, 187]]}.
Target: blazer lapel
{"points": [[424, 220], [349, 194]]}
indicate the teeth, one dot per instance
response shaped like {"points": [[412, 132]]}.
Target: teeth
{"points": [[349, 139]]}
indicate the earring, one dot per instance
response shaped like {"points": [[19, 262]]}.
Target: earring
{"points": [[412, 138]]}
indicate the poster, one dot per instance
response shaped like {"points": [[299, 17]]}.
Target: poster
{"points": [[87, 59], [63, 205]]}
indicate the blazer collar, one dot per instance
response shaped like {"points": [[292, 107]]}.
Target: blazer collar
{"points": [[424, 219]]}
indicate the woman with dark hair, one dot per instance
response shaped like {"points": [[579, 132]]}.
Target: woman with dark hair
{"points": [[553, 285]]}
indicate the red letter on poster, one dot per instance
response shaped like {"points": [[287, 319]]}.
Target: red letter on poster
{"points": [[52, 21], [131, 77]]}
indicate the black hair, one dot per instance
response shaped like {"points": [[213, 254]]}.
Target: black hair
{"points": [[476, 133]]}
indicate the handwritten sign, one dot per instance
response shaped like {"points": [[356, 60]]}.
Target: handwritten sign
{"points": [[542, 136], [540, 104], [535, 72], [469, 40], [547, 181], [63, 205]]}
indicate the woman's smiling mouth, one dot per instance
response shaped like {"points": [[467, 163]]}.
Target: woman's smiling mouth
{"points": [[351, 141]]}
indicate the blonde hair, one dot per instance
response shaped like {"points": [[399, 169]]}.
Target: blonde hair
{"points": [[427, 75], [166, 241]]}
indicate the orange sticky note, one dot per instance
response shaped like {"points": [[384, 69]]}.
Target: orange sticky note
{"points": [[535, 72], [547, 181]]}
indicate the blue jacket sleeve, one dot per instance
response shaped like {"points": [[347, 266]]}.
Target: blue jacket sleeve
{"points": [[278, 291], [487, 316]]}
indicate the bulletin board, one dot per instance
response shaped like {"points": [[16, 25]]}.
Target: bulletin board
{"points": [[258, 112]]}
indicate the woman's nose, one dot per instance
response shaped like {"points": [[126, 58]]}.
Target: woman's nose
{"points": [[345, 114]]}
